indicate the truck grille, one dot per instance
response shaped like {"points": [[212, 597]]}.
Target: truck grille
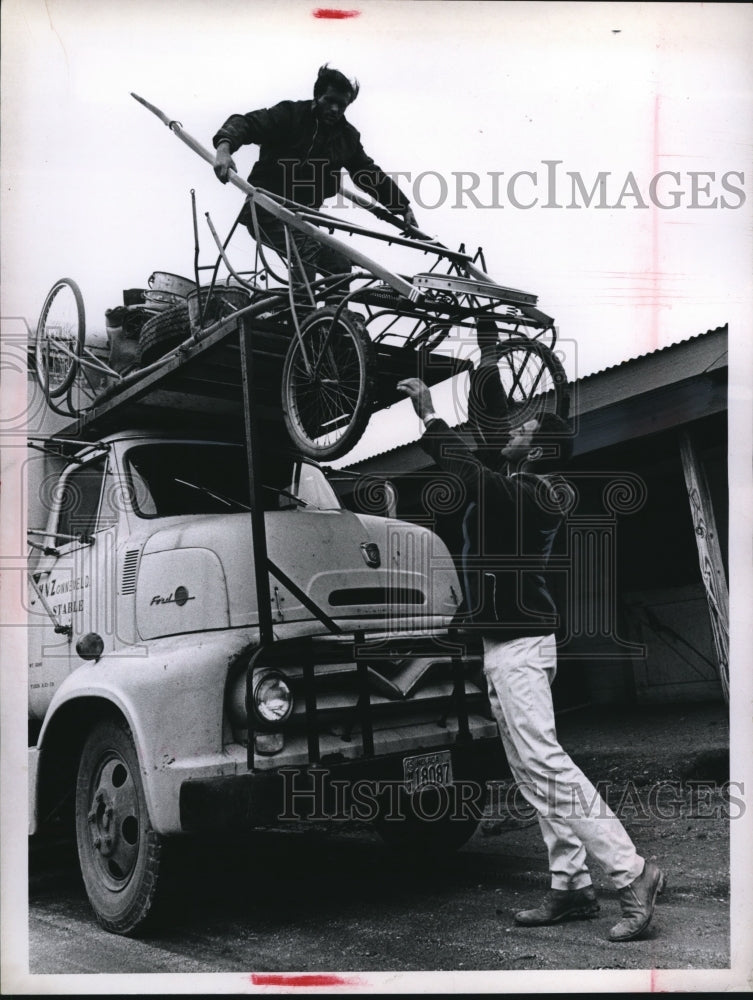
{"points": [[342, 699]]}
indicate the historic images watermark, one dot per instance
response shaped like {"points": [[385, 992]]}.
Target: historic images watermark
{"points": [[315, 795], [548, 185]]}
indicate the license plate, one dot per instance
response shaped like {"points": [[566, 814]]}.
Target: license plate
{"points": [[427, 769]]}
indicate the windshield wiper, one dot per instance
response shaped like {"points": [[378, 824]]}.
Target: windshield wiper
{"points": [[230, 502], [215, 496], [286, 493]]}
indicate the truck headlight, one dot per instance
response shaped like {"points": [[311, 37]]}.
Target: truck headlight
{"points": [[273, 699]]}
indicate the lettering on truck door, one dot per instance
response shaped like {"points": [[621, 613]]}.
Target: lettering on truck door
{"points": [[72, 589]]}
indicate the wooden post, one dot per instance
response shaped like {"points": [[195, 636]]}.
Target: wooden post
{"points": [[709, 555]]}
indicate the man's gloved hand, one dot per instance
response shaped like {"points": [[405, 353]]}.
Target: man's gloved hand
{"points": [[223, 162], [487, 337], [409, 219], [420, 396]]}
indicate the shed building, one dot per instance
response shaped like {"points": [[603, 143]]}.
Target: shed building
{"points": [[641, 567]]}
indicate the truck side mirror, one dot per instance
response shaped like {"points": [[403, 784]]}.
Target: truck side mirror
{"points": [[374, 495], [390, 498]]}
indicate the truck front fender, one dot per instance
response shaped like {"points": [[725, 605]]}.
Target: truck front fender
{"points": [[172, 697]]}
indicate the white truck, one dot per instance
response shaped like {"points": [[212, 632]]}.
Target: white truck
{"points": [[216, 643]]}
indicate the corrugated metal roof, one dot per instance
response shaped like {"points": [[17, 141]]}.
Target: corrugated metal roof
{"points": [[659, 350], [587, 381]]}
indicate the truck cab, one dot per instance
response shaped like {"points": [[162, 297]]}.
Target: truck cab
{"points": [[159, 706]]}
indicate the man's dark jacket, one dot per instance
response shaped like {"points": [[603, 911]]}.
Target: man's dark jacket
{"points": [[509, 527], [301, 160]]}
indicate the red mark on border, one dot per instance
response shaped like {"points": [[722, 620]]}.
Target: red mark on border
{"points": [[336, 15], [655, 987], [314, 979]]}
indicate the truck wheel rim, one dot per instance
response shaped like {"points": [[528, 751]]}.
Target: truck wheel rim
{"points": [[114, 822]]}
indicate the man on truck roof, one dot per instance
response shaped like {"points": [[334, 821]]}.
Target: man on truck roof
{"points": [[303, 146]]}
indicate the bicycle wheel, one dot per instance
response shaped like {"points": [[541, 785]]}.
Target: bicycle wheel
{"points": [[534, 382], [327, 392], [60, 338]]}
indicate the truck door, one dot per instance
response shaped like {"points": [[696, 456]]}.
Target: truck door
{"points": [[72, 586]]}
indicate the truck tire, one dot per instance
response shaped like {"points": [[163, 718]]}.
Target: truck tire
{"points": [[410, 832], [119, 853], [162, 333]]}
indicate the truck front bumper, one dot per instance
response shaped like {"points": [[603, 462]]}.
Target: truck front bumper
{"points": [[353, 789]]}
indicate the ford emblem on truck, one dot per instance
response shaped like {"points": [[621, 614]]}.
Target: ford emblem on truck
{"points": [[179, 597]]}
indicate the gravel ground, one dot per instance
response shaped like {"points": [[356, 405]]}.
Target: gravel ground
{"points": [[312, 899]]}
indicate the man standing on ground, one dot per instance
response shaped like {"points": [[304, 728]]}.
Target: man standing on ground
{"points": [[304, 145], [510, 523]]}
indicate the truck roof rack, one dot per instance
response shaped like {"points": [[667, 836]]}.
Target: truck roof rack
{"points": [[200, 382], [65, 448]]}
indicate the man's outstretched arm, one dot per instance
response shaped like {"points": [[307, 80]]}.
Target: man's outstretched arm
{"points": [[370, 177], [488, 407], [446, 447], [241, 130]]}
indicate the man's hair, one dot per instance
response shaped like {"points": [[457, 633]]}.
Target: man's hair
{"points": [[553, 433], [327, 77]]}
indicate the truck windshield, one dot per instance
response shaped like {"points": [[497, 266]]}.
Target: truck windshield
{"points": [[173, 478]]}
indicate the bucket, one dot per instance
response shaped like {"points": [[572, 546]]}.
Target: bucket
{"points": [[164, 281], [222, 303], [159, 301]]}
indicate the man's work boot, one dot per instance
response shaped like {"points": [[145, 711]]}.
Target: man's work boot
{"points": [[559, 905], [637, 902]]}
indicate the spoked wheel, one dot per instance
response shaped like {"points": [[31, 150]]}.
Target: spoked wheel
{"points": [[60, 338], [534, 382], [119, 852], [328, 384]]}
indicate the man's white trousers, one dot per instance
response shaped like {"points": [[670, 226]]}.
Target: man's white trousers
{"points": [[574, 819]]}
